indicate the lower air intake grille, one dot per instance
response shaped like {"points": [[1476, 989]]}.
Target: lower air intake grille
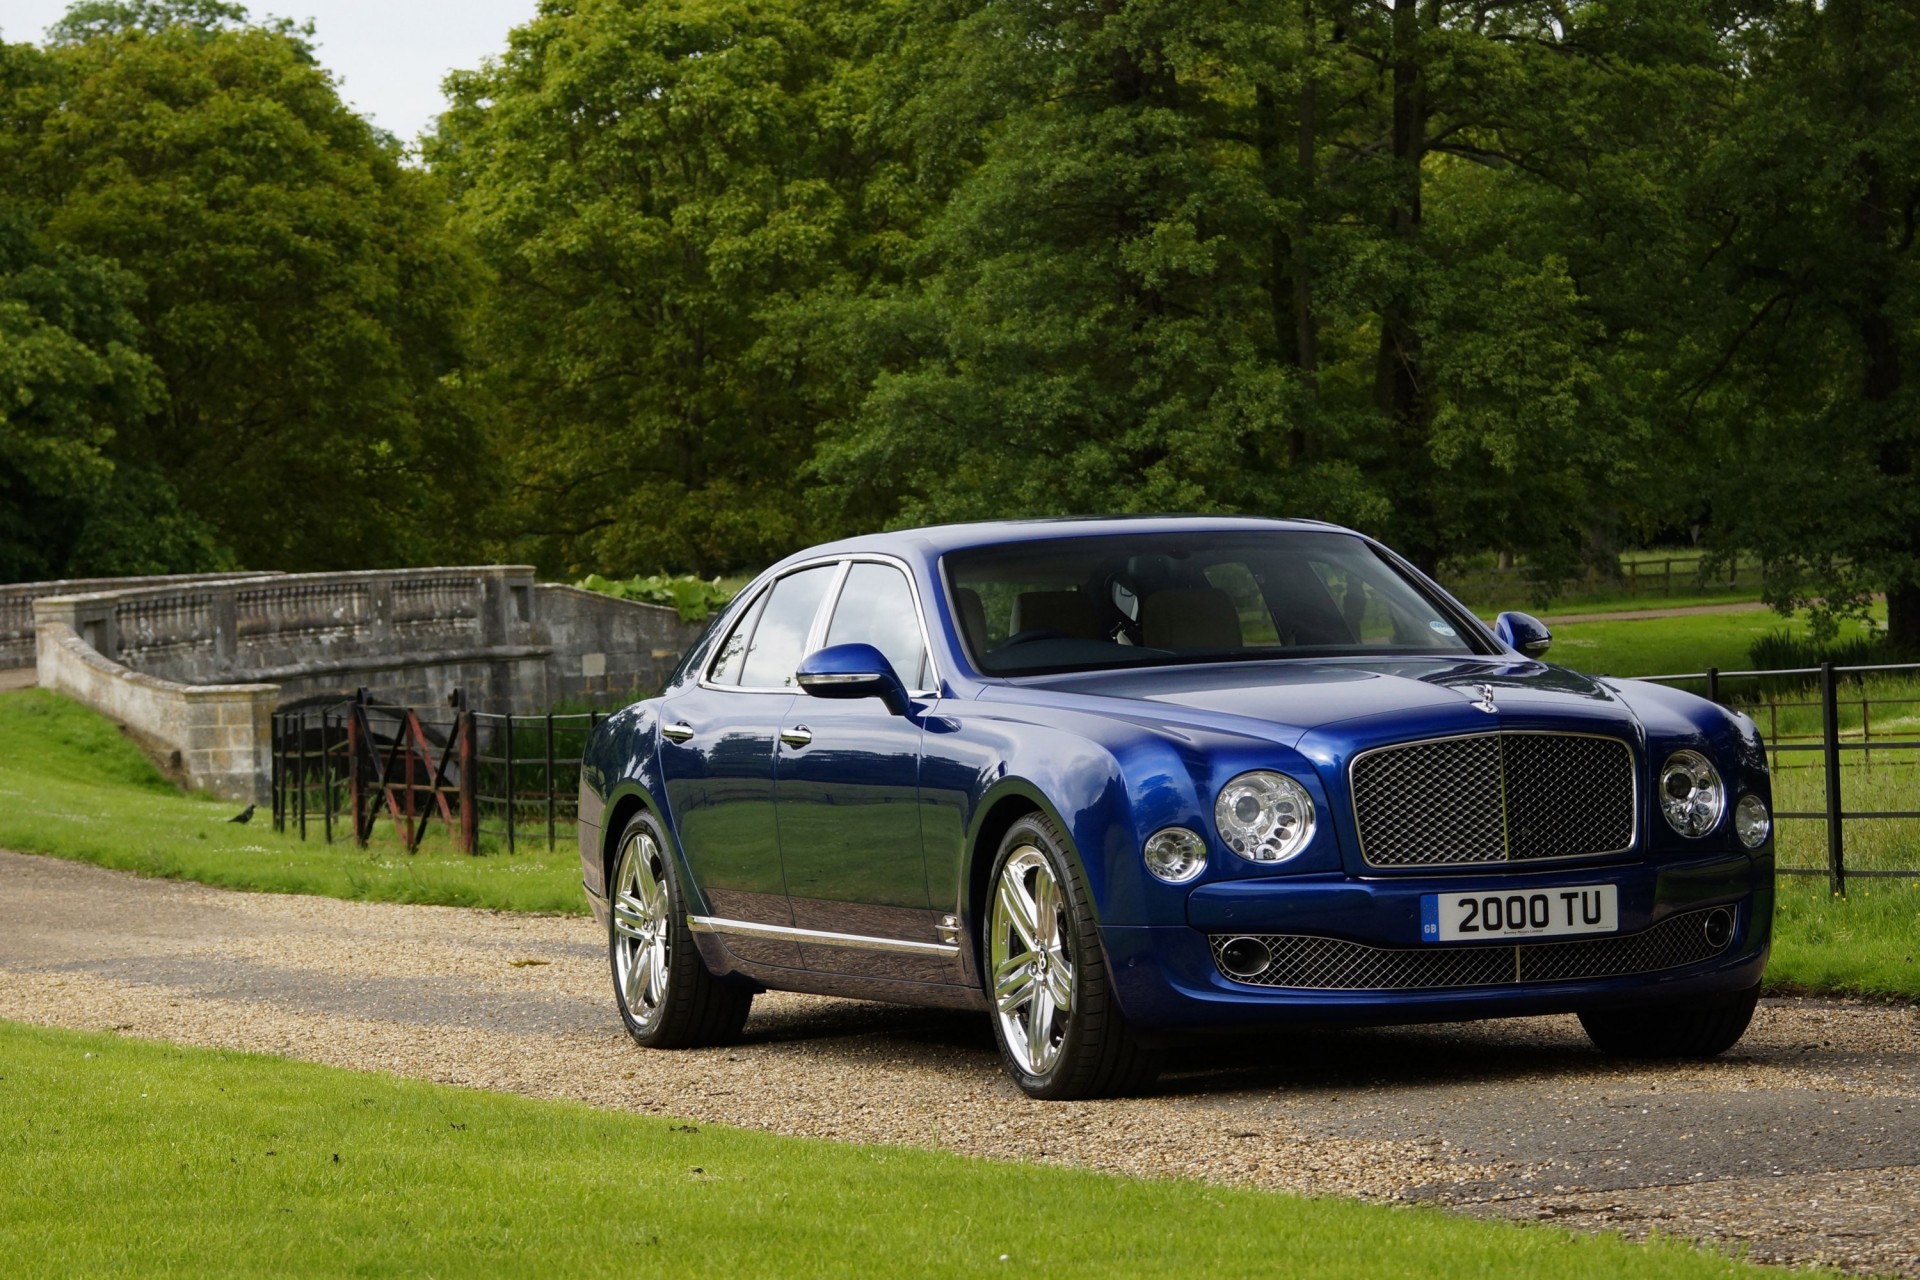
{"points": [[1307, 962]]}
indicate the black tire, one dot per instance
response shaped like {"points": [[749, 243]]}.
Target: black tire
{"points": [[1090, 1051], [687, 1007], [1696, 1029]]}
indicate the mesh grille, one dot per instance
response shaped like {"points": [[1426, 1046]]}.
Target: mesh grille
{"points": [[1310, 963], [1494, 797]]}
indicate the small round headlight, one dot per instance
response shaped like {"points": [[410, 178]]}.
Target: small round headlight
{"points": [[1175, 854], [1751, 821], [1691, 795], [1264, 817]]}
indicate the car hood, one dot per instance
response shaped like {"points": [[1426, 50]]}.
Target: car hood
{"points": [[1395, 697]]}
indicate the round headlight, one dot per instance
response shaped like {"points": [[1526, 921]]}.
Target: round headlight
{"points": [[1175, 854], [1264, 817], [1691, 796], [1751, 821]]}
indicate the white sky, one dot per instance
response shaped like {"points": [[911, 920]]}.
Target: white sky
{"points": [[389, 55]]}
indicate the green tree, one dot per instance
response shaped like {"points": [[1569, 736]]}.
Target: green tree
{"points": [[650, 186], [298, 291], [1814, 312]]}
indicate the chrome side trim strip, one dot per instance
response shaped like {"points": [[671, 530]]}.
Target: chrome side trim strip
{"points": [[817, 938]]}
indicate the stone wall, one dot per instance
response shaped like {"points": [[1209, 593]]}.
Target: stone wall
{"points": [[216, 736], [175, 660]]}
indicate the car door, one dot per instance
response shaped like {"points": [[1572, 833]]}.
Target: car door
{"points": [[718, 737], [847, 787]]}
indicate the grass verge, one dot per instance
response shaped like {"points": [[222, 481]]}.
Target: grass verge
{"points": [[1867, 943], [1666, 646], [73, 787], [128, 1156]]}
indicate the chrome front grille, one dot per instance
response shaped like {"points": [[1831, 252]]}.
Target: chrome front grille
{"points": [[1494, 797], [1307, 962]]}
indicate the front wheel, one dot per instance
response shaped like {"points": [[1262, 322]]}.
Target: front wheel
{"points": [[1061, 1034], [667, 998], [1698, 1029]]}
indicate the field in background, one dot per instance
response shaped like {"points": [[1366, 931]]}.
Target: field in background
{"points": [[129, 1157], [72, 786]]}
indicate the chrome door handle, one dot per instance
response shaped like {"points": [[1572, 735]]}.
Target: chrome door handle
{"points": [[798, 736], [677, 732]]}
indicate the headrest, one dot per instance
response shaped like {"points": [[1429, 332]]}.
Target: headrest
{"points": [[1192, 618], [973, 618]]}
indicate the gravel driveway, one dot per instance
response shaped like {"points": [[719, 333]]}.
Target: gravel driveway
{"points": [[1803, 1145]]}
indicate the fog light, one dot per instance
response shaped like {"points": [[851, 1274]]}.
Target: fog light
{"points": [[1175, 854], [1718, 928], [1245, 957], [1751, 821]]}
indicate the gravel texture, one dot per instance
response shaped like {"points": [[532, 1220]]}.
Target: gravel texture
{"points": [[1800, 1146]]}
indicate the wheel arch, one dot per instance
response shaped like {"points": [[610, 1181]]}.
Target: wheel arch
{"points": [[1010, 801]]}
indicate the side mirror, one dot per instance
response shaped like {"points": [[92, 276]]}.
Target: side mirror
{"points": [[852, 671], [1524, 632]]}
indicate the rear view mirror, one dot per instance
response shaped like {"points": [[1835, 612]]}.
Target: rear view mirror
{"points": [[852, 671], [1524, 632]]}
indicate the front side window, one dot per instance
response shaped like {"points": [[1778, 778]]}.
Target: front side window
{"points": [[1082, 604], [778, 636], [876, 608]]}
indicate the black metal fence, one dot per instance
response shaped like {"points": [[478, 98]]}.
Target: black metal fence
{"points": [[1841, 742], [341, 768], [1827, 769]]}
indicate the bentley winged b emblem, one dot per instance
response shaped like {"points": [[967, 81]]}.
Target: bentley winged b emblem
{"points": [[1486, 699]]}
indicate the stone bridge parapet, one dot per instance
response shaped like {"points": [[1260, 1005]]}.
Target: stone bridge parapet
{"points": [[194, 667]]}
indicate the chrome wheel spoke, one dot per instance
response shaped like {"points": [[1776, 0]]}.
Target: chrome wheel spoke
{"points": [[630, 917], [1059, 983], [656, 973], [1012, 984], [1040, 1029], [1017, 910]]}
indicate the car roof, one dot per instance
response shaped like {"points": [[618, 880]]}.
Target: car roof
{"points": [[937, 540]]}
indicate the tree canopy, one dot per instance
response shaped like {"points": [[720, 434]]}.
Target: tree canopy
{"points": [[686, 284]]}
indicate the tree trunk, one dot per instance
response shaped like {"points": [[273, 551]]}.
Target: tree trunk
{"points": [[1399, 385]]}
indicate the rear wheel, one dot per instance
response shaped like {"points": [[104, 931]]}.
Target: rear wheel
{"points": [[1697, 1029], [1060, 1032], [667, 998]]}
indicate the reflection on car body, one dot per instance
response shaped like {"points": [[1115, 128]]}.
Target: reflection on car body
{"points": [[1119, 782]]}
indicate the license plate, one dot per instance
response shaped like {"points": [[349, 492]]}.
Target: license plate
{"points": [[1536, 913]]}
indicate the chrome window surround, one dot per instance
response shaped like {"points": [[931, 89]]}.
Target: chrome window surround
{"points": [[819, 938], [823, 616], [1633, 772]]}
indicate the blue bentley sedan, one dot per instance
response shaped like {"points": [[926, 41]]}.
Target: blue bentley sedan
{"points": [[1117, 782]]}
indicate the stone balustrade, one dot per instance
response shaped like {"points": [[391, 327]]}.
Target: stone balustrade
{"points": [[187, 664], [16, 605]]}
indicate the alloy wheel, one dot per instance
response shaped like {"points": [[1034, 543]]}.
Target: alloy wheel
{"points": [[1032, 970], [642, 945]]}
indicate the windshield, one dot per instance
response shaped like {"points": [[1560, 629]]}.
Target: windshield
{"points": [[1086, 604]]}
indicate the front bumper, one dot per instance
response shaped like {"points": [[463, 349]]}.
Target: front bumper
{"points": [[1167, 978]]}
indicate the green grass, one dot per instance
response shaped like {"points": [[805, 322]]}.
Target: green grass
{"points": [[1666, 646], [128, 1157], [73, 787], [1867, 943]]}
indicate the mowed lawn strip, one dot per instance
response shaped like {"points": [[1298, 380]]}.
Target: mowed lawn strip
{"points": [[73, 787], [128, 1156]]}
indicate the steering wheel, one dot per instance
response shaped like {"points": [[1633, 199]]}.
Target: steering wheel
{"points": [[1030, 635]]}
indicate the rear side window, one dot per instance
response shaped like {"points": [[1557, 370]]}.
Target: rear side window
{"points": [[876, 608], [780, 635]]}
